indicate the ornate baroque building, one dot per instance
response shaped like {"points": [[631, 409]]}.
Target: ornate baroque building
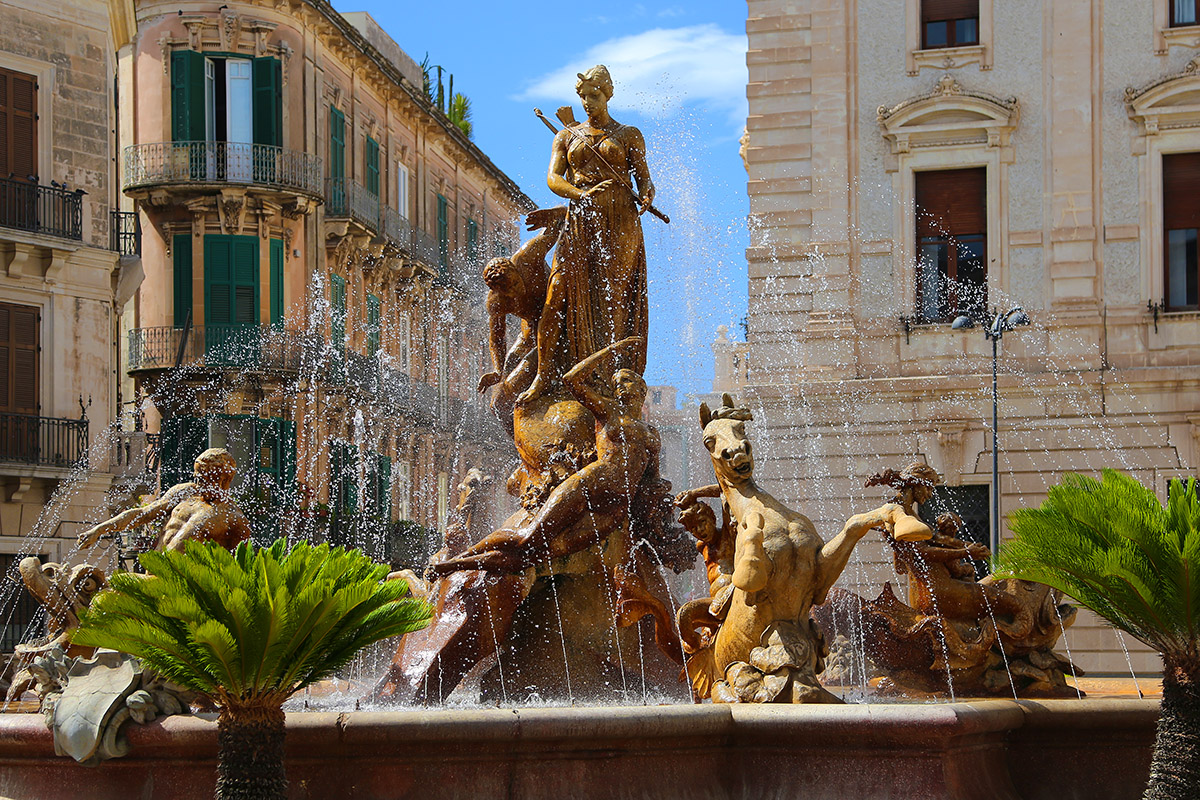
{"points": [[313, 233], [911, 162]]}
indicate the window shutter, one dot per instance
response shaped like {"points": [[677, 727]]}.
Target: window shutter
{"points": [[18, 125], [443, 231], [267, 80], [19, 339], [383, 490], [952, 202], [277, 282], [372, 166], [181, 258], [183, 438], [337, 143], [937, 10], [246, 279], [1181, 191], [374, 318], [187, 96], [287, 450], [472, 241], [218, 280], [337, 325]]}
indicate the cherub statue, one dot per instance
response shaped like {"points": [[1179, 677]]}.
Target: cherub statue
{"points": [[517, 286], [626, 451], [767, 648], [200, 510]]}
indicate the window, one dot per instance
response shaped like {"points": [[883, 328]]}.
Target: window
{"points": [[405, 340], [230, 280], [949, 23], [374, 324], [336, 199], [404, 484], [20, 609], [402, 189], [951, 215], [1181, 221], [380, 488], [443, 374], [343, 490], [443, 500], [181, 268], [1184, 12], [337, 321], [276, 248], [472, 242], [19, 348], [18, 126], [183, 438], [443, 231], [372, 161], [971, 504]]}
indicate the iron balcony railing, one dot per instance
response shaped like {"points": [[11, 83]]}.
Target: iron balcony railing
{"points": [[347, 199], [164, 163], [256, 348], [125, 233], [51, 210], [43, 441], [396, 229]]}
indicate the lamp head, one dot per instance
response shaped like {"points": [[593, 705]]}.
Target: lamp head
{"points": [[962, 321]]}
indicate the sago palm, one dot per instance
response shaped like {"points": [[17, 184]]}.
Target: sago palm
{"points": [[1112, 546], [248, 629]]}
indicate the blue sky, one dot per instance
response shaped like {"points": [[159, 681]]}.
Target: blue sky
{"points": [[680, 76]]}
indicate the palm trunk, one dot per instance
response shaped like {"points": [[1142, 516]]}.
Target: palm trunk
{"points": [[250, 753], [1175, 768]]}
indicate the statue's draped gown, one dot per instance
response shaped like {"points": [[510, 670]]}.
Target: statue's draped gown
{"points": [[601, 256]]}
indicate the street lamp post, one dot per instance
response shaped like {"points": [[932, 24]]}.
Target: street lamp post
{"points": [[1003, 322]]}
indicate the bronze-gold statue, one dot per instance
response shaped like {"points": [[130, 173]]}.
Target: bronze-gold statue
{"points": [[200, 510], [597, 290], [766, 647]]}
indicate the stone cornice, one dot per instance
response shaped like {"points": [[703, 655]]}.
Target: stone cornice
{"points": [[924, 121]]}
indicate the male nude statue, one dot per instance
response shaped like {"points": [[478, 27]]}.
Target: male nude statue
{"points": [[200, 510], [626, 447]]}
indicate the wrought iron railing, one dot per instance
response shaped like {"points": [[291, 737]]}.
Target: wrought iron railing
{"points": [[43, 441], [257, 348], [125, 233], [396, 229], [425, 248], [161, 163], [51, 210], [347, 199], [362, 372]]}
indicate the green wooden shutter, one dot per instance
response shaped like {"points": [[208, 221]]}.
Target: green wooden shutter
{"points": [[187, 96], [277, 282], [472, 241], [336, 199], [372, 166], [183, 438], [287, 436], [443, 231], [218, 280], [374, 324], [337, 325], [267, 78], [383, 487], [246, 280], [181, 258]]}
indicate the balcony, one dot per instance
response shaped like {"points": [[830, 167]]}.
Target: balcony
{"points": [[125, 233], [43, 441], [49, 210], [204, 164], [397, 230], [346, 199], [250, 348]]}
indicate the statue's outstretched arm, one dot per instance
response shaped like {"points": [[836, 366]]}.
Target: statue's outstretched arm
{"points": [[550, 221], [836, 553], [578, 379], [497, 339], [132, 518]]}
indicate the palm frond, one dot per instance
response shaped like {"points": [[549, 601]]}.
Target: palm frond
{"points": [[254, 624], [1113, 547]]}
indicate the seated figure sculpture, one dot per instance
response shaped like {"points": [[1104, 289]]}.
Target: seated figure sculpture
{"points": [[766, 647], [200, 510]]}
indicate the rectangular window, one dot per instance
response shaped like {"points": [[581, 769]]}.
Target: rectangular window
{"points": [[443, 231], [951, 236], [381, 488], [277, 282], [181, 266], [19, 359], [404, 322], [949, 23], [343, 491], [374, 324], [18, 127], [335, 200], [971, 504], [402, 189], [372, 161], [268, 102], [404, 488], [1184, 12], [1181, 222], [443, 500], [183, 438], [472, 242], [231, 284], [337, 322]]}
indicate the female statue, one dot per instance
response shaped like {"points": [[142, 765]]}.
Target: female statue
{"points": [[597, 290]]}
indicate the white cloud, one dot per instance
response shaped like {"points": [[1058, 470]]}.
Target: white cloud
{"points": [[660, 70]]}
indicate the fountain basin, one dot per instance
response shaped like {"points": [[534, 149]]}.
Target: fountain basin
{"points": [[1002, 749]]}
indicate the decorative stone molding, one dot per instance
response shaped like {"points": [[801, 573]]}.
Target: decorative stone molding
{"points": [[950, 442], [1168, 103], [949, 116], [949, 58], [231, 208]]}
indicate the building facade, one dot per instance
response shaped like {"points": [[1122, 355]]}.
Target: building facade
{"points": [[69, 258], [912, 162], [314, 231]]}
